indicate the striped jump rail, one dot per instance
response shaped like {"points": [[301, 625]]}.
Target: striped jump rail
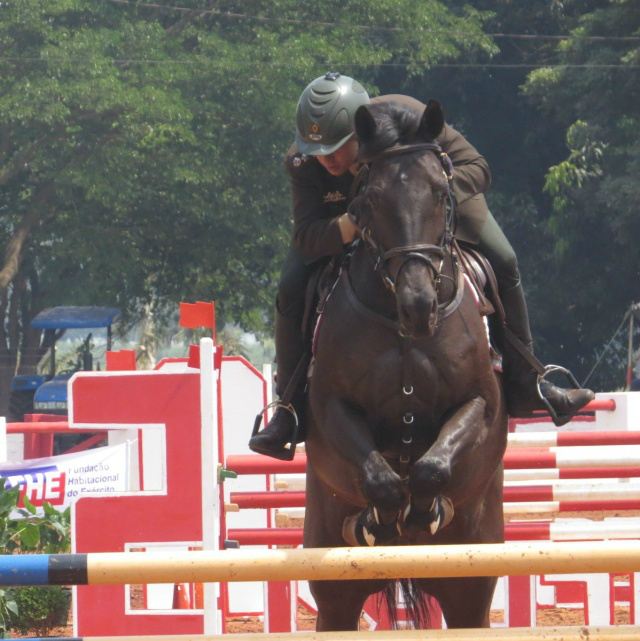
{"points": [[591, 493], [562, 474], [297, 482], [324, 564], [556, 530], [606, 456], [569, 633], [569, 439]]}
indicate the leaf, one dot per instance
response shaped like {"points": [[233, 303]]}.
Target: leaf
{"points": [[12, 606], [29, 505], [30, 535], [49, 509]]}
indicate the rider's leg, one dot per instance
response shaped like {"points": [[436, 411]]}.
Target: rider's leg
{"points": [[279, 431], [520, 379]]}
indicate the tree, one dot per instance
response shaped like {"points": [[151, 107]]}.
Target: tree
{"points": [[595, 189], [141, 143], [581, 213]]}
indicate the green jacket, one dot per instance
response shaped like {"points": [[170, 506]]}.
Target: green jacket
{"points": [[318, 198]]}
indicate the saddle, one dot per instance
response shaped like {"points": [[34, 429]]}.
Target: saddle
{"points": [[482, 279]]}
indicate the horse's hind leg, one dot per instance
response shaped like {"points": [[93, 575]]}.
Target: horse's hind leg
{"points": [[340, 603], [465, 602]]}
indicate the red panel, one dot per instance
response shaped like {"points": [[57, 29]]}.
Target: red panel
{"points": [[124, 360], [105, 524]]}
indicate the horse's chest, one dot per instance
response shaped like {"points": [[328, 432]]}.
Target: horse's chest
{"points": [[372, 366]]}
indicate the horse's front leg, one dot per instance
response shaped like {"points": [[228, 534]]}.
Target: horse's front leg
{"points": [[465, 456], [347, 430]]}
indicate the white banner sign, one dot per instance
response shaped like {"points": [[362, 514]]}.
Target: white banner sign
{"points": [[60, 480]]}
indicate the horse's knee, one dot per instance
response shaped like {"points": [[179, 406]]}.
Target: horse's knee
{"points": [[382, 487], [429, 477]]}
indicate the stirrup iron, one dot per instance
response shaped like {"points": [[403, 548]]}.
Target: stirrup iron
{"points": [[290, 452], [552, 369]]}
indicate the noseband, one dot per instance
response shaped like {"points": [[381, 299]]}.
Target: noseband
{"points": [[423, 252]]}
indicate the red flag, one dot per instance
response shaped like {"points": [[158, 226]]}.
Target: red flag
{"points": [[197, 315]]}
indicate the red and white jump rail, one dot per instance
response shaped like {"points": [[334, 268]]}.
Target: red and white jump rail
{"points": [[559, 439], [607, 456], [38, 433], [540, 472]]}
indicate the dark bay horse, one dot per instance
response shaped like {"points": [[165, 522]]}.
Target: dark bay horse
{"points": [[409, 426]]}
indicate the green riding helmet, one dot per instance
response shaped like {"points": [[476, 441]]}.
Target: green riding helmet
{"points": [[325, 113]]}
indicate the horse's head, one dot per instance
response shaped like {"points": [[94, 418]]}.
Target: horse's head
{"points": [[402, 206]]}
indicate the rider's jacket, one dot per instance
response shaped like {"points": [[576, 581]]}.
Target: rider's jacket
{"points": [[318, 198]]}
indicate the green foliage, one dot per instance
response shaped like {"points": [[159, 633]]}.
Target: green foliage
{"points": [[47, 534], [143, 144], [32, 609], [8, 609], [162, 143], [40, 609], [594, 189]]}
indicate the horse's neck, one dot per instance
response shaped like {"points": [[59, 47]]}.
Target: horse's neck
{"points": [[368, 285]]}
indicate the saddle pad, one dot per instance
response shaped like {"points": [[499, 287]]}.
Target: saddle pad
{"points": [[496, 356]]}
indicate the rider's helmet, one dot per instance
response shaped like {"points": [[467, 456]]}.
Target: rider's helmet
{"points": [[325, 113]]}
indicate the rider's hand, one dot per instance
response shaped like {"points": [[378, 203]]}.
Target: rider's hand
{"points": [[347, 229]]}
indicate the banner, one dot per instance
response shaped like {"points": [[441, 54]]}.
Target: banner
{"points": [[60, 480]]}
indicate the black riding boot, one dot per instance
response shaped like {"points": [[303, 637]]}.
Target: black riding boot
{"points": [[520, 380], [280, 430]]}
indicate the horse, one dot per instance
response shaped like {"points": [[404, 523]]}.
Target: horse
{"points": [[407, 423]]}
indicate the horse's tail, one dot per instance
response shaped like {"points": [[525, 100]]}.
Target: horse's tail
{"points": [[418, 604]]}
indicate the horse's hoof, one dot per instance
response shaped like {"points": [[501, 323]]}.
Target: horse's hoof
{"points": [[437, 517], [365, 529]]}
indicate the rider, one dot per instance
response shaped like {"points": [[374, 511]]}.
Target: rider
{"points": [[322, 164]]}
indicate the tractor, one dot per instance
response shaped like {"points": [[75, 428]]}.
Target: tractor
{"points": [[45, 391]]}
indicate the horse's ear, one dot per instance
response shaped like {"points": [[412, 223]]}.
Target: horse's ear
{"points": [[365, 124], [432, 121]]}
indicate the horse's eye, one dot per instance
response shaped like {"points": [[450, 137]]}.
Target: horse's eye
{"points": [[371, 198]]}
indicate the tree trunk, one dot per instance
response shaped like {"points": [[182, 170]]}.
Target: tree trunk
{"points": [[146, 352]]}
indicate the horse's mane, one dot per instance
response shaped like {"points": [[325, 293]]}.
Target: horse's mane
{"points": [[396, 125]]}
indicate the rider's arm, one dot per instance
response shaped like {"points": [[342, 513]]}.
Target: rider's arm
{"points": [[348, 230], [471, 171], [317, 230]]}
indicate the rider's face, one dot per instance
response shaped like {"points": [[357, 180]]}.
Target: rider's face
{"points": [[341, 160]]}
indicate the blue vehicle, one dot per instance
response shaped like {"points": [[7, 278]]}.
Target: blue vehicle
{"points": [[46, 392]]}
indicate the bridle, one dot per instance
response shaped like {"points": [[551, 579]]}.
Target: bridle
{"points": [[433, 255]]}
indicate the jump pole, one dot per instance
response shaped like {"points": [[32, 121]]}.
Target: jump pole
{"points": [[573, 633], [516, 458], [328, 564]]}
